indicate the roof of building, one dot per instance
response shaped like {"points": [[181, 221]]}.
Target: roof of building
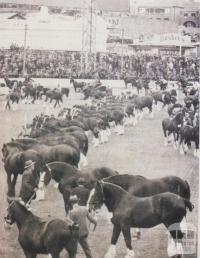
{"points": [[104, 5], [161, 3]]}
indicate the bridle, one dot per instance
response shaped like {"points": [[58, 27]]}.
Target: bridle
{"points": [[49, 169], [102, 194]]}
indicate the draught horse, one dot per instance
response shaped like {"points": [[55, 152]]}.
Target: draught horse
{"points": [[172, 126], [130, 211], [37, 236]]}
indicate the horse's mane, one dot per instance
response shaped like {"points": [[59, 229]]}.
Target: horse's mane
{"points": [[13, 144], [115, 186], [109, 177]]}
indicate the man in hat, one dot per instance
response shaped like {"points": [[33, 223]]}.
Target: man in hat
{"points": [[30, 181], [80, 215]]}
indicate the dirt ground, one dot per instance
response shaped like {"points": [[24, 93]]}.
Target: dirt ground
{"points": [[140, 151]]}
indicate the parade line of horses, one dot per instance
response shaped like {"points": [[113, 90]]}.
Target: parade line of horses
{"points": [[58, 147]]}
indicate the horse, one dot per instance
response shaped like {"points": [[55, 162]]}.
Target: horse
{"points": [[68, 177], [60, 152], [65, 91], [130, 80], [38, 236], [189, 134], [173, 109], [77, 85], [12, 97], [54, 95], [144, 212], [14, 159], [172, 126], [141, 102], [143, 187], [10, 83], [29, 91]]}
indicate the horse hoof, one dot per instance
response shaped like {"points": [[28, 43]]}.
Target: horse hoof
{"points": [[181, 152], [111, 252], [130, 254]]}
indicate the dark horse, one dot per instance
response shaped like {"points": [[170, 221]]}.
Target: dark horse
{"points": [[64, 153], [189, 134], [9, 83], [54, 95], [130, 80], [69, 177], [172, 126], [37, 236], [142, 187], [141, 102], [77, 85], [14, 159], [130, 211]]}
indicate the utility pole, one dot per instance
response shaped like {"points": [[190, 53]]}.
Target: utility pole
{"points": [[24, 57], [122, 52], [88, 32]]}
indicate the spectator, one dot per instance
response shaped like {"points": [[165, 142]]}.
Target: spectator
{"points": [[64, 64]]}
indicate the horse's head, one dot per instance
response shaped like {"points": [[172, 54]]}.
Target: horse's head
{"points": [[96, 199], [16, 211], [5, 151], [179, 118]]}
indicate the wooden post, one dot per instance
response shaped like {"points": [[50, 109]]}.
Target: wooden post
{"points": [[24, 58]]}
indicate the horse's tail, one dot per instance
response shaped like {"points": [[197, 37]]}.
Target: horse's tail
{"points": [[74, 84], [187, 192], [85, 149], [164, 130], [188, 205]]}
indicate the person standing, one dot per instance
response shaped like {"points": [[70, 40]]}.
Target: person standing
{"points": [[29, 183], [80, 215]]}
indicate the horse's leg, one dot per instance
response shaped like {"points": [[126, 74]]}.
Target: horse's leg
{"points": [[196, 150], [11, 190], [175, 140], [116, 128], [54, 255], [72, 255], [34, 98], [151, 111], [13, 182], [127, 237], [181, 146], [111, 253], [175, 248], [55, 103], [29, 254]]}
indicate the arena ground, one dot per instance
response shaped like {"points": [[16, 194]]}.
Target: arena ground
{"points": [[140, 151]]}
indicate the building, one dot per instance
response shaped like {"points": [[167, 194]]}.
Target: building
{"points": [[184, 12], [101, 5], [157, 9], [49, 32], [190, 16]]}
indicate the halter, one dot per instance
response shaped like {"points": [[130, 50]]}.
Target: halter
{"points": [[49, 169], [89, 202]]}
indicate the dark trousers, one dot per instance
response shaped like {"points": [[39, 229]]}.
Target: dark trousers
{"points": [[84, 244]]}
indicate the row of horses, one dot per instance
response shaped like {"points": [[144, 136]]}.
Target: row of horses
{"points": [[56, 145], [134, 201], [183, 123]]}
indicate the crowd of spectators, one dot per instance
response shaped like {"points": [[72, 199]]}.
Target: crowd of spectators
{"points": [[64, 64]]}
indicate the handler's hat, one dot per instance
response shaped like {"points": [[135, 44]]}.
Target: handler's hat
{"points": [[28, 163]]}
